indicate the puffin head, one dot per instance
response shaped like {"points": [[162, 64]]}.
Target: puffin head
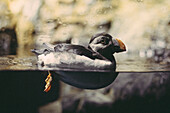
{"points": [[106, 45]]}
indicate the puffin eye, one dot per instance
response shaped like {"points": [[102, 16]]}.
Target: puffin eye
{"points": [[104, 41]]}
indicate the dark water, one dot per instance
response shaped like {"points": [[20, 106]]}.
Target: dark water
{"points": [[23, 91], [141, 86]]}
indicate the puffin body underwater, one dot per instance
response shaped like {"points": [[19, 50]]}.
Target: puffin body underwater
{"points": [[76, 64]]}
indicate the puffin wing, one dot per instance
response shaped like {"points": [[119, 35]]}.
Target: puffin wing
{"points": [[79, 50], [46, 48], [76, 49]]}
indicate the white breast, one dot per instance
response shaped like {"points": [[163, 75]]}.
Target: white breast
{"points": [[70, 60]]}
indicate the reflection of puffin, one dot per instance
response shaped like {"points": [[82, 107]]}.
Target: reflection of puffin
{"points": [[101, 46]]}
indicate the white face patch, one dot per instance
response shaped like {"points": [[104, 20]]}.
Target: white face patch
{"points": [[96, 40], [96, 45]]}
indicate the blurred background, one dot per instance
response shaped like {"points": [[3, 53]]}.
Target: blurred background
{"points": [[143, 25]]}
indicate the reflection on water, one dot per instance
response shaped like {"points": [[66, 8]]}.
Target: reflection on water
{"points": [[124, 64], [135, 63]]}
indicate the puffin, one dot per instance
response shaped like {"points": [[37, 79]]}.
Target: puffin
{"points": [[91, 67]]}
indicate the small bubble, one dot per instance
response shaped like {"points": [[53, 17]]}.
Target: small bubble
{"points": [[59, 21], [150, 53], [161, 43], [100, 27], [64, 25], [156, 58], [142, 53]]}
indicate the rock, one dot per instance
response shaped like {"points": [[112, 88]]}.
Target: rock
{"points": [[53, 107], [87, 101], [130, 92], [142, 91], [8, 42]]}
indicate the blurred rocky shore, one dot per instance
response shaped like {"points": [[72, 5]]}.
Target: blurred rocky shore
{"points": [[138, 23]]}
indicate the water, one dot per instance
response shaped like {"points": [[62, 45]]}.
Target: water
{"points": [[124, 64], [139, 83]]}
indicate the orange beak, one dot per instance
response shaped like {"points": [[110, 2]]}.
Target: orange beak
{"points": [[122, 45]]}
